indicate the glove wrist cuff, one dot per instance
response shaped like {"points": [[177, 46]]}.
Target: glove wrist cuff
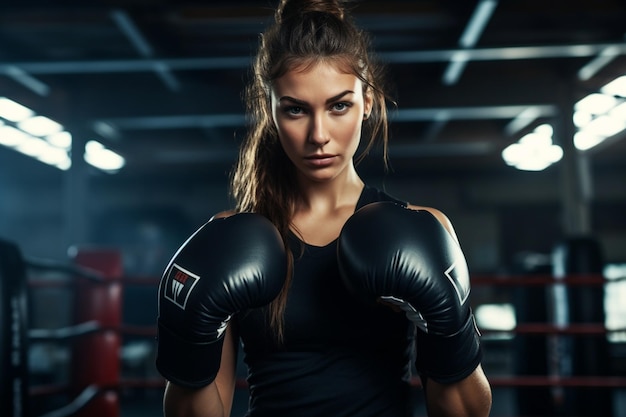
{"points": [[185, 363], [448, 359]]}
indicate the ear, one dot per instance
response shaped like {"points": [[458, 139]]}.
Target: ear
{"points": [[368, 102]]}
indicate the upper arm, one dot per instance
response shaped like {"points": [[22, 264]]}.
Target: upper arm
{"points": [[227, 375], [213, 400], [469, 397]]}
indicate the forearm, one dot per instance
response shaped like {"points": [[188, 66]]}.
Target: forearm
{"points": [[184, 402], [470, 397]]}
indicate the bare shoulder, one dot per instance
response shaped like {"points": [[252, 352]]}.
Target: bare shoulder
{"points": [[222, 214], [439, 215]]}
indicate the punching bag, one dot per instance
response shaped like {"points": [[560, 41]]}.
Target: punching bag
{"points": [[529, 351], [579, 355]]}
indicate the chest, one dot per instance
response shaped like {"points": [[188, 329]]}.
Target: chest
{"points": [[321, 230], [321, 313]]}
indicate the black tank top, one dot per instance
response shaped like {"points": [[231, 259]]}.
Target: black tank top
{"points": [[339, 357]]}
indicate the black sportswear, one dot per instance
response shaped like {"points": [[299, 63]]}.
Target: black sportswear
{"points": [[340, 356]]}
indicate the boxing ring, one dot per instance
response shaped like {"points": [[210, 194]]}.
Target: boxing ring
{"points": [[93, 283]]}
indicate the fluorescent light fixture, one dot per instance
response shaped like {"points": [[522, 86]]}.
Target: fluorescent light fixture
{"points": [[545, 130], [10, 110], [582, 118], [618, 112], [617, 87], [600, 115], [534, 140], [61, 139], [604, 126], [100, 157], [65, 164], [55, 156], [534, 151], [27, 139], [33, 146], [553, 153], [39, 126], [12, 137], [596, 103], [531, 164], [513, 153], [584, 140]]}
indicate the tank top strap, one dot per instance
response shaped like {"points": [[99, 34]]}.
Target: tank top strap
{"points": [[373, 194]]}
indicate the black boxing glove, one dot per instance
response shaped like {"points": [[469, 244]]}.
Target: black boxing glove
{"points": [[228, 265], [405, 257]]}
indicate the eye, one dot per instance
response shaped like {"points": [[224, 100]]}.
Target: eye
{"points": [[294, 110], [341, 107]]}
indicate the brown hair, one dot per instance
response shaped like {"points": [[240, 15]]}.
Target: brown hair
{"points": [[304, 33]]}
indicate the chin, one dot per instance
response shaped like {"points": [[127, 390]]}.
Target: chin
{"points": [[321, 177]]}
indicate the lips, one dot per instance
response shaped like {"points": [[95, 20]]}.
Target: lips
{"points": [[320, 160]]}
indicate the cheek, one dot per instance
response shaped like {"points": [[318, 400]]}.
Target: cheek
{"points": [[351, 132], [289, 134]]}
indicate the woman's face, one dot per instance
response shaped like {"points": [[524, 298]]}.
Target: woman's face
{"points": [[318, 112]]}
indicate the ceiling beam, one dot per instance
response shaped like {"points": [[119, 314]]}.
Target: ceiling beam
{"points": [[143, 47], [398, 57], [479, 19], [401, 115]]}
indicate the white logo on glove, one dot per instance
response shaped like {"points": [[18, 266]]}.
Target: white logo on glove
{"points": [[455, 283], [411, 313]]}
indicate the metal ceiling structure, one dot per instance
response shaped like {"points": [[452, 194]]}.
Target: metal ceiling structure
{"points": [[160, 82]]}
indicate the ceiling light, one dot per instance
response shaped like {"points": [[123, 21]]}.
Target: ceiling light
{"points": [[40, 126], [33, 146], [618, 112], [584, 140], [617, 87], [100, 157], [582, 118], [13, 111], [10, 136], [535, 141], [604, 126], [596, 103], [54, 156], [545, 130], [65, 164], [534, 151], [532, 165], [61, 139]]}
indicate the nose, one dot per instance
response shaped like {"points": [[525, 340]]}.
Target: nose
{"points": [[318, 132]]}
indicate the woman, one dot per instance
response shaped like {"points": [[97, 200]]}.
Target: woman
{"points": [[317, 349]]}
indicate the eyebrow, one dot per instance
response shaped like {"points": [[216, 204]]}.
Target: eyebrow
{"points": [[328, 101]]}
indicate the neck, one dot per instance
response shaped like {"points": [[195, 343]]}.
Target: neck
{"points": [[331, 195]]}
